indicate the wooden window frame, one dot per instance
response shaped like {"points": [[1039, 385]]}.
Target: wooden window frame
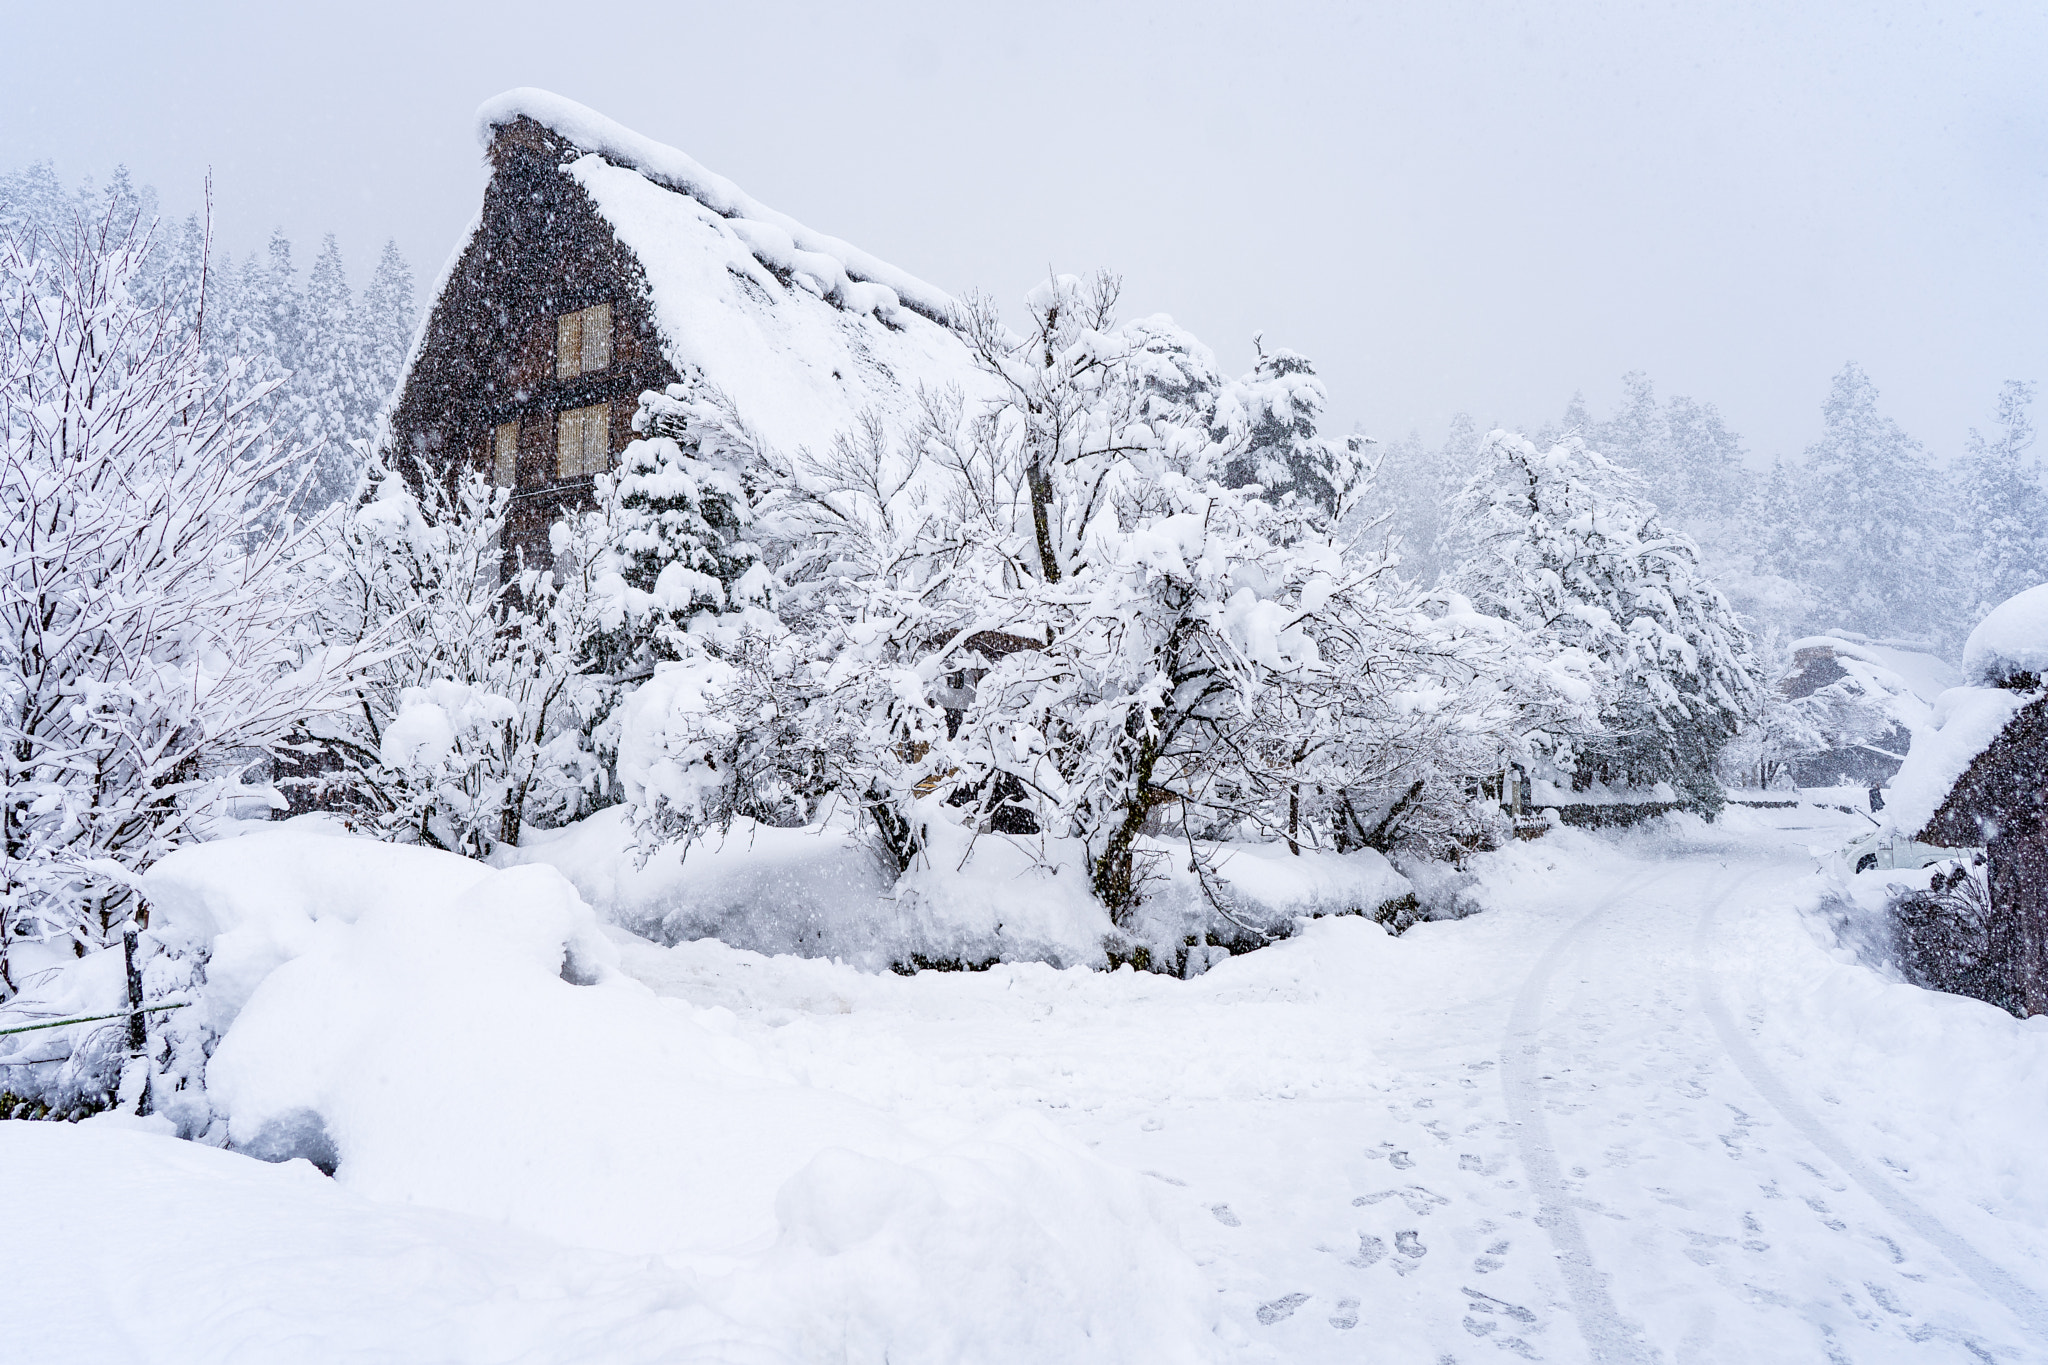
{"points": [[588, 450], [583, 341]]}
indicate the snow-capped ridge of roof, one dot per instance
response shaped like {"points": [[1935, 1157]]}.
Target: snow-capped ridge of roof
{"points": [[780, 242], [2011, 641]]}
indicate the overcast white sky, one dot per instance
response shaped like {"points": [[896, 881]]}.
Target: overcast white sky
{"points": [[1449, 206]]}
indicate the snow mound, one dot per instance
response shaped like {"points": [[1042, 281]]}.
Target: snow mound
{"points": [[920, 1264], [818, 891], [1967, 720], [1278, 886], [450, 1036], [2011, 641], [777, 236]]}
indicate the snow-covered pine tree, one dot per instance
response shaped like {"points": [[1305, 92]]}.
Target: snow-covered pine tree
{"points": [[1561, 543], [388, 317], [1269, 420], [1873, 542], [333, 394], [1684, 453], [683, 526], [151, 647], [2004, 506]]}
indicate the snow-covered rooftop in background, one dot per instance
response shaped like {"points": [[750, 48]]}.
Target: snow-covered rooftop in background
{"points": [[1925, 674], [2012, 640], [803, 331]]}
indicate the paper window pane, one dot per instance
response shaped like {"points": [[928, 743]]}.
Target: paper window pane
{"points": [[597, 455], [597, 337], [569, 443], [505, 455], [568, 345]]}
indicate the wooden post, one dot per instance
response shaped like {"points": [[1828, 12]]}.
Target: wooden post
{"points": [[2029, 877]]}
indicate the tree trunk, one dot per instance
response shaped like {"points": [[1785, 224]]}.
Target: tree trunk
{"points": [[138, 1029], [1040, 480]]}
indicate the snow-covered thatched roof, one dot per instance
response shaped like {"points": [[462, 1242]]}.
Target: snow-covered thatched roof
{"points": [[2003, 662], [1967, 721], [1890, 665], [803, 331]]}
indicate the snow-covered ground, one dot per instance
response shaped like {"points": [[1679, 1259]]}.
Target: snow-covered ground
{"points": [[1642, 1109]]}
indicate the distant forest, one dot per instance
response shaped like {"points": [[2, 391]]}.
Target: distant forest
{"points": [[334, 354]]}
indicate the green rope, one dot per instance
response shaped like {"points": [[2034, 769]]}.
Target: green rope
{"points": [[93, 1018]]}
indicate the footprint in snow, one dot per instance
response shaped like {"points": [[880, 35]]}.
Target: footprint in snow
{"points": [[1346, 1316], [1370, 1250], [1225, 1216], [1419, 1201], [1493, 1259], [1410, 1244], [1400, 1161], [1280, 1309]]}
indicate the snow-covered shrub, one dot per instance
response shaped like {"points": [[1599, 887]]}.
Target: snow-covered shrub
{"points": [[153, 645], [472, 721]]}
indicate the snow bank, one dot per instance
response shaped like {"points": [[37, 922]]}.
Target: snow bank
{"points": [[247, 1261], [818, 891], [1966, 720], [1279, 886], [2012, 640], [263, 899], [452, 1036]]}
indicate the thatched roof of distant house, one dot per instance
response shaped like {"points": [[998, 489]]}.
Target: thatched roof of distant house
{"points": [[806, 334]]}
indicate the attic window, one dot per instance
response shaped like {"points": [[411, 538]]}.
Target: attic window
{"points": [[583, 341], [505, 455], [583, 441]]}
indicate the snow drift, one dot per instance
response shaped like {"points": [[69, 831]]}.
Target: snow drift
{"points": [[450, 1036]]}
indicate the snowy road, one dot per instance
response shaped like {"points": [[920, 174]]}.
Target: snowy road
{"points": [[1638, 1111], [1565, 1130]]}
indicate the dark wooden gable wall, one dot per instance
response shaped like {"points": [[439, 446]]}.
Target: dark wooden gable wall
{"points": [[541, 249], [2001, 802]]}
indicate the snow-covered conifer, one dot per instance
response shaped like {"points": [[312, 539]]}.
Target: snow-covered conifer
{"points": [[2004, 508], [1269, 419], [1872, 540], [387, 317]]}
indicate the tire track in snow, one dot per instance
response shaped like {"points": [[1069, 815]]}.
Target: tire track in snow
{"points": [[1986, 1274], [1607, 1335]]}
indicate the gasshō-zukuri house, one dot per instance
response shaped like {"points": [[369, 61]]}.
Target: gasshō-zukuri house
{"points": [[602, 265]]}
